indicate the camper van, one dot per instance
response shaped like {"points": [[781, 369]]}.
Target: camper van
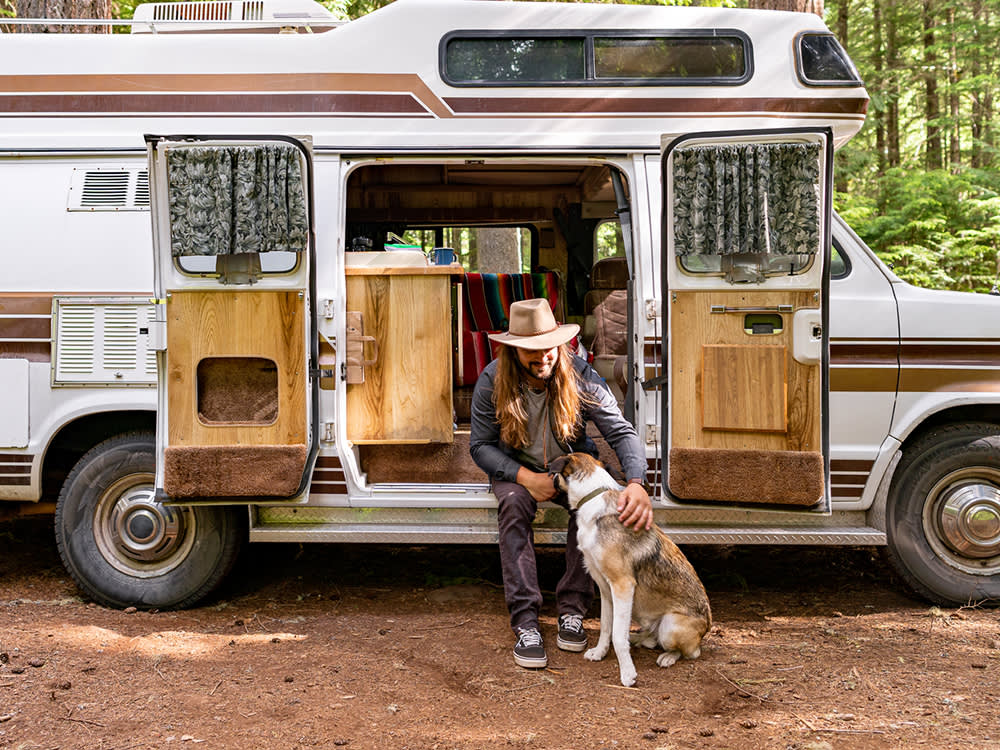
{"points": [[249, 280]]}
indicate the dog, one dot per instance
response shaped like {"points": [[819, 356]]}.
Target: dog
{"points": [[642, 575]]}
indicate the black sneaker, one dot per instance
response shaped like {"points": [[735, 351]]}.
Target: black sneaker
{"points": [[571, 636], [529, 651]]}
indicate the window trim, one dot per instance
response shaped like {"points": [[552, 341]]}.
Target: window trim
{"points": [[800, 70], [588, 36]]}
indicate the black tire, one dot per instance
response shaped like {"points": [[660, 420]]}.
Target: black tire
{"points": [[125, 549], [943, 516]]}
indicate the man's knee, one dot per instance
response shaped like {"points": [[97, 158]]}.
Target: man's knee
{"points": [[514, 502]]}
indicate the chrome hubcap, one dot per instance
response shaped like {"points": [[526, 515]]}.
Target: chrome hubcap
{"points": [[962, 520], [970, 520], [136, 534]]}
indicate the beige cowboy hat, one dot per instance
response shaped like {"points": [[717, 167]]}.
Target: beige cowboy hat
{"points": [[533, 326]]}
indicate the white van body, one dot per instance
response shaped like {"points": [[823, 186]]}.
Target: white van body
{"points": [[904, 416]]}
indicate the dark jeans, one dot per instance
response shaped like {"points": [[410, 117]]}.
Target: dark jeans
{"points": [[575, 590]]}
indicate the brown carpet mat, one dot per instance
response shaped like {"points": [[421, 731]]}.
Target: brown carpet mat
{"points": [[747, 476]]}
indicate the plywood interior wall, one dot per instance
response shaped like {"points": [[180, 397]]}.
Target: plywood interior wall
{"points": [[728, 390], [236, 324]]}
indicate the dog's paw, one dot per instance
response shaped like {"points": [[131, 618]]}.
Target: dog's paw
{"points": [[595, 654], [628, 675], [668, 658]]}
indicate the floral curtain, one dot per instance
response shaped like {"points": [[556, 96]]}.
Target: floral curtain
{"points": [[226, 200], [761, 198]]}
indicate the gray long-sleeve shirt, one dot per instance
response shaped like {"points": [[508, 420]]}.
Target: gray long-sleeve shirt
{"points": [[496, 458]]}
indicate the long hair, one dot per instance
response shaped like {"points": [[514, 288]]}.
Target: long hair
{"points": [[563, 396]]}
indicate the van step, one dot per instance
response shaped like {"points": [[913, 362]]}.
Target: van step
{"points": [[846, 536]]}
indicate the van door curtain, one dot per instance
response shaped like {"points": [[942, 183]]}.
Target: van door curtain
{"points": [[227, 200], [759, 198]]}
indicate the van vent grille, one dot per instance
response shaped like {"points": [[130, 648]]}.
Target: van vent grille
{"points": [[105, 189], [204, 10], [253, 10], [103, 342], [109, 189], [75, 336]]}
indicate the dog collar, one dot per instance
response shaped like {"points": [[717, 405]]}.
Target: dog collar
{"points": [[591, 495]]}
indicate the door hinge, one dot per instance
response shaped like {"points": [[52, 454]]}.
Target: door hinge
{"points": [[654, 309], [328, 432]]}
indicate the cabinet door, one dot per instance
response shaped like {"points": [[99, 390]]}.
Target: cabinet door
{"points": [[405, 396]]}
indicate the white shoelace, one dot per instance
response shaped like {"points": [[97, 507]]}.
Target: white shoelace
{"points": [[529, 637], [572, 622]]}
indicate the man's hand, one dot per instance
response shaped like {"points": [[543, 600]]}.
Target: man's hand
{"points": [[539, 485], [635, 508]]}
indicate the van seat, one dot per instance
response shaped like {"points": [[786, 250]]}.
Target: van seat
{"points": [[605, 327], [486, 300]]}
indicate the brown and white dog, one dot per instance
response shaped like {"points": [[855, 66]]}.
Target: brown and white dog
{"points": [[641, 574]]}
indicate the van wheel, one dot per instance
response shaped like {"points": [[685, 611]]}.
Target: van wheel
{"points": [[123, 548], [943, 518]]}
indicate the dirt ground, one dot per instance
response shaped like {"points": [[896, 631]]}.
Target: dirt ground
{"points": [[329, 646]]}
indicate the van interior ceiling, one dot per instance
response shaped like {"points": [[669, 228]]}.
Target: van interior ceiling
{"points": [[552, 213]]}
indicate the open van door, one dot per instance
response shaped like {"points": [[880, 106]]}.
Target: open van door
{"points": [[746, 238], [233, 244]]}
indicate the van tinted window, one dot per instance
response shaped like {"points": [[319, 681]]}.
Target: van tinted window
{"points": [[600, 58], [823, 62]]}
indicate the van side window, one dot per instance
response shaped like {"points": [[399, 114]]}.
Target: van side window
{"points": [[821, 61], [605, 58]]}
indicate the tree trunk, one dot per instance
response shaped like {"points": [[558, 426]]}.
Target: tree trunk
{"points": [[892, 84], [64, 9], [878, 62], [841, 29], [498, 251], [954, 138], [932, 108], [978, 114], [802, 6]]}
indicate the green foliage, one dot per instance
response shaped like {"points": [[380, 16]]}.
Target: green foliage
{"points": [[934, 228]]}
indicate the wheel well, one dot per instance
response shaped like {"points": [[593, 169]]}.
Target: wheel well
{"points": [[955, 415], [79, 436]]}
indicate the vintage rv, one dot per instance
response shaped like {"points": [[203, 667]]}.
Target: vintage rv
{"points": [[255, 357]]}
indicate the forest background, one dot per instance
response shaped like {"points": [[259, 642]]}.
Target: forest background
{"points": [[920, 182]]}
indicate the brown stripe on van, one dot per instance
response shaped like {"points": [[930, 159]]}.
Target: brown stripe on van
{"points": [[864, 379], [872, 353], [314, 104], [328, 489], [6, 470], [15, 458], [25, 304], [929, 379], [958, 354], [33, 351], [328, 462], [11, 481], [851, 465], [371, 83], [852, 492], [516, 105]]}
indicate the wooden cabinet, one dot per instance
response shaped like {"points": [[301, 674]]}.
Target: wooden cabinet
{"points": [[406, 395]]}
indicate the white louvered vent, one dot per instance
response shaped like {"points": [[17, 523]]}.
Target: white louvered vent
{"points": [[150, 361], [103, 342], [75, 341], [109, 189], [121, 328]]}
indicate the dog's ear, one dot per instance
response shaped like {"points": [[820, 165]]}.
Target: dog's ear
{"points": [[557, 464]]}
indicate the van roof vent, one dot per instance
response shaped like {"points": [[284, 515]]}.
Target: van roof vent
{"points": [[109, 189], [231, 15]]}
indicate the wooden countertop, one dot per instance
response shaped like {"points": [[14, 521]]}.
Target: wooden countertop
{"points": [[455, 269]]}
